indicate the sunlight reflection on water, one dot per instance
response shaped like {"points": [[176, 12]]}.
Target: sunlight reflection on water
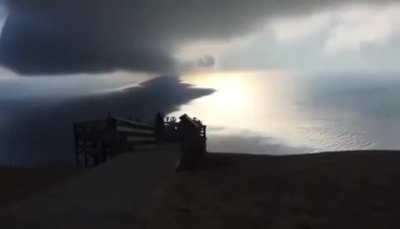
{"points": [[270, 106]]}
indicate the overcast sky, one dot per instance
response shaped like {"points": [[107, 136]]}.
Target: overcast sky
{"points": [[75, 36], [115, 39]]}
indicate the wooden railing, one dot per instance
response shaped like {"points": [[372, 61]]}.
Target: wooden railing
{"points": [[98, 141]]}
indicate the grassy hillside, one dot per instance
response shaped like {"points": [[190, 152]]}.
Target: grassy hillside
{"points": [[330, 190]]}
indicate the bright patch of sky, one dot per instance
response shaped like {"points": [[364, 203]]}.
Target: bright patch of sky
{"points": [[345, 29], [348, 38]]}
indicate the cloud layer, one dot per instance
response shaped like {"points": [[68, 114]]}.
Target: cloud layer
{"points": [[69, 36], [344, 28]]}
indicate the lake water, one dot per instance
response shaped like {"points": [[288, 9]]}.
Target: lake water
{"points": [[279, 112], [274, 112]]}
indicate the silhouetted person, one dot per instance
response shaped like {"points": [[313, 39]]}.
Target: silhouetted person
{"points": [[192, 145]]}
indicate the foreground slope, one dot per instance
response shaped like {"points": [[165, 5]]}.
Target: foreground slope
{"points": [[113, 195], [329, 190]]}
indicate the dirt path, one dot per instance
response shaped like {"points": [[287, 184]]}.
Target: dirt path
{"points": [[20, 183], [109, 196]]}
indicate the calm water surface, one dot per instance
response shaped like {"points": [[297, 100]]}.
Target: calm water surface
{"points": [[275, 112], [283, 113]]}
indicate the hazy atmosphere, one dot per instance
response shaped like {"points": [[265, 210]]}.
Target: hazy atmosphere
{"points": [[194, 114], [267, 77]]}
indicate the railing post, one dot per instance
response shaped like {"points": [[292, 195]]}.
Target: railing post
{"points": [[159, 127], [77, 147], [85, 160]]}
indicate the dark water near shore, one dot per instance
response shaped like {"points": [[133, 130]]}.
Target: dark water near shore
{"points": [[38, 113]]}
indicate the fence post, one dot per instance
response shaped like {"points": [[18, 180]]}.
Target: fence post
{"points": [[159, 127], [86, 160], [77, 150]]}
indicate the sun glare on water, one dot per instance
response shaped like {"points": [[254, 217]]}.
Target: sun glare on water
{"points": [[258, 102], [270, 104], [232, 96]]}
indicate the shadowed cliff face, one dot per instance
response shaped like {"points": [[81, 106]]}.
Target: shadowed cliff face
{"points": [[39, 132]]}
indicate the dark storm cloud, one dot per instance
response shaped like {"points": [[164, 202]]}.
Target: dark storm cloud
{"points": [[67, 36]]}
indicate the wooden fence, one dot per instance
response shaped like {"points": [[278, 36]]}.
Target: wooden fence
{"points": [[98, 141]]}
